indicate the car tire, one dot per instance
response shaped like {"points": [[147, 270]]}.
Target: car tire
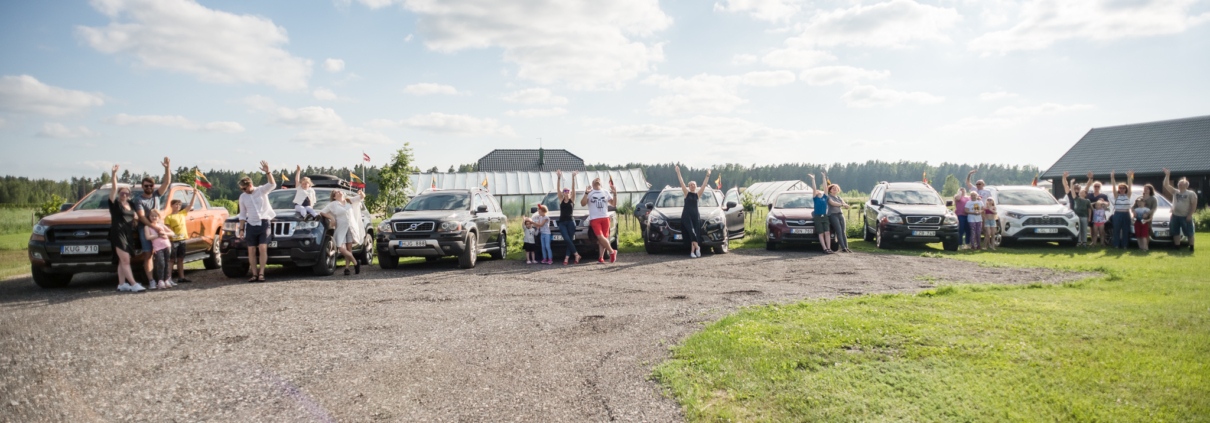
{"points": [[46, 280], [366, 257], [236, 269], [723, 248], [215, 260], [865, 231], [326, 265], [502, 249], [950, 245], [883, 242], [771, 246], [388, 261], [468, 257], [649, 248]]}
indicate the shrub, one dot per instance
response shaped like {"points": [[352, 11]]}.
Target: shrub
{"points": [[1201, 220], [49, 207], [231, 206]]}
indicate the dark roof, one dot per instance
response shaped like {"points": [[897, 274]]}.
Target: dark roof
{"points": [[530, 161], [1181, 145]]}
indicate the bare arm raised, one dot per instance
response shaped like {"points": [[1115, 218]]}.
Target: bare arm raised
{"points": [[113, 180], [167, 181], [684, 189], [702, 189]]}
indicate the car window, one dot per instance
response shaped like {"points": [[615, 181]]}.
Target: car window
{"points": [[923, 197], [676, 198], [478, 202], [876, 194], [439, 201], [1024, 197], [183, 195], [795, 201], [495, 206], [98, 200], [199, 202], [732, 197]]}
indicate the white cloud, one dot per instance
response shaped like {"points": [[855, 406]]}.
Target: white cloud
{"points": [[183, 36], [408, 38], [708, 94], [870, 96], [323, 94], [895, 23], [1043, 22], [334, 65], [708, 130], [537, 113], [321, 126], [768, 78], [535, 96], [25, 94], [847, 75], [998, 95], [1010, 116], [766, 10], [591, 121], [123, 119], [429, 88], [584, 44], [58, 130], [797, 58], [447, 124], [743, 59]]}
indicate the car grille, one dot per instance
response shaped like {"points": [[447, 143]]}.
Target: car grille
{"points": [[923, 220], [283, 229], [675, 225], [554, 224], [94, 233], [800, 222], [411, 235], [1045, 221], [414, 226]]}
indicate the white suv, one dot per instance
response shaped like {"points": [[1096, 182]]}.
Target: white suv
{"points": [[1029, 213]]}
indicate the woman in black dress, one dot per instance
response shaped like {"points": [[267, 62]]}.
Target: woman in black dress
{"points": [[121, 226], [567, 206], [691, 221]]}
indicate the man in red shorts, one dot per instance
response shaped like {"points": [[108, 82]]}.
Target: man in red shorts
{"points": [[598, 203]]}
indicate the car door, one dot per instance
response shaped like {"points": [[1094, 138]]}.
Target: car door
{"points": [[499, 221], [482, 220], [191, 223], [735, 215], [208, 222], [871, 211]]}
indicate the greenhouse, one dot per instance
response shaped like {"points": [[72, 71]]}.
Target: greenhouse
{"points": [[764, 192], [518, 191]]}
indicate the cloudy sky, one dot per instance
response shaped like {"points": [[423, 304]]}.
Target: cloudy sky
{"points": [[223, 84]]}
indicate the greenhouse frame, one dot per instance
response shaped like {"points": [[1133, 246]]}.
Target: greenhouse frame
{"points": [[764, 192], [518, 191]]}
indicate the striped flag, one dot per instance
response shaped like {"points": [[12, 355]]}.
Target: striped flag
{"points": [[200, 179], [365, 156], [359, 183], [285, 178], [1035, 180], [719, 181]]}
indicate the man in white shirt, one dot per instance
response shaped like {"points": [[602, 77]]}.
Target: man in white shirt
{"points": [[256, 213], [978, 186], [598, 203]]}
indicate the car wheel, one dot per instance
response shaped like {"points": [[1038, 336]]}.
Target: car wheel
{"points": [[235, 269], [883, 242], [950, 245], [771, 246], [388, 261], [327, 260], [723, 248], [649, 248], [367, 250], [49, 280], [471, 253], [215, 260], [502, 249], [865, 231]]}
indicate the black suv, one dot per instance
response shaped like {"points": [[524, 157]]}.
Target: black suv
{"points": [[720, 221], [910, 212], [640, 212], [294, 241], [585, 241], [439, 223]]}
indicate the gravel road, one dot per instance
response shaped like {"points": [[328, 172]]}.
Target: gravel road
{"points": [[430, 342]]}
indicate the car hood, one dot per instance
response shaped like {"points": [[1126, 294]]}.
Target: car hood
{"points": [[432, 215], [916, 209], [792, 214], [675, 212], [1047, 209], [78, 217], [1163, 214]]}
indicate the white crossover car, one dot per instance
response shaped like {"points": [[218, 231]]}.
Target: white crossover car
{"points": [[1029, 213]]}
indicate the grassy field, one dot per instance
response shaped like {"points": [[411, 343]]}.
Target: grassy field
{"points": [[13, 221], [1130, 345], [13, 255]]}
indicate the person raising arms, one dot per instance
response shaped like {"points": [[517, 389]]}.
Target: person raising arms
{"points": [[256, 214], [122, 217], [1184, 204], [567, 225], [1120, 237], [304, 196], [819, 215], [977, 187], [691, 221], [145, 203], [1073, 191], [598, 203], [836, 206]]}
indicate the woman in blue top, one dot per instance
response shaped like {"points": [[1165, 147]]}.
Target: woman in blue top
{"points": [[819, 215], [691, 222]]}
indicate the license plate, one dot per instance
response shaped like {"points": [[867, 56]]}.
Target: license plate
{"points": [[924, 233], [272, 244], [1161, 233], [556, 237], [676, 236], [807, 231], [1047, 230], [80, 249], [406, 244]]}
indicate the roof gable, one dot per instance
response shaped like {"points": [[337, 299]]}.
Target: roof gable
{"points": [[1181, 145], [524, 160]]}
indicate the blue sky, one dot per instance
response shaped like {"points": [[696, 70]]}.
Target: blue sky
{"points": [[224, 84]]}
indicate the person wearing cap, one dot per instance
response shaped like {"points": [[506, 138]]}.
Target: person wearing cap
{"points": [[567, 225]]}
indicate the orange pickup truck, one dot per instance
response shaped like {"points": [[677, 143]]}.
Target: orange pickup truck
{"points": [[76, 240]]}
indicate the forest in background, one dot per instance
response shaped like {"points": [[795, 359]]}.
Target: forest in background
{"points": [[850, 176]]}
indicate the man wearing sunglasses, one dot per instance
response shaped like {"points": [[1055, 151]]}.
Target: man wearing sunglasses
{"points": [[146, 202]]}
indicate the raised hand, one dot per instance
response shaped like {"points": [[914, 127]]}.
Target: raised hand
{"points": [[1089, 175], [297, 168], [167, 163], [264, 166], [678, 169], [1065, 175], [574, 173], [115, 169], [708, 172], [1166, 171], [972, 172], [1130, 174]]}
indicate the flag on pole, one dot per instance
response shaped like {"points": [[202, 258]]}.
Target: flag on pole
{"points": [[718, 182], [359, 183], [925, 177], [200, 179], [484, 183], [365, 156], [434, 184], [1035, 180], [611, 181], [284, 178]]}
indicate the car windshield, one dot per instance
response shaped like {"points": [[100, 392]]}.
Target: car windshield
{"points": [[99, 200], [1159, 201], [284, 198], [795, 201], [676, 198], [551, 201], [442, 201], [1024, 197], [921, 197]]}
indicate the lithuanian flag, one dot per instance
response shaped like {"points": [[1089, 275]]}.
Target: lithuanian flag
{"points": [[200, 179]]}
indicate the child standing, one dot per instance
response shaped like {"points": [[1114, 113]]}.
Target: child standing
{"points": [[530, 247], [1099, 216], [974, 218], [176, 222], [158, 234], [989, 224], [304, 196], [1142, 223], [543, 223], [1083, 210]]}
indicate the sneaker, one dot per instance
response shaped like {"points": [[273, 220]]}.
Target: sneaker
{"points": [[183, 280], [123, 287], [151, 285], [601, 260], [613, 257], [137, 287]]}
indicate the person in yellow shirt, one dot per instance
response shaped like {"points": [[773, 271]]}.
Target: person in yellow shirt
{"points": [[180, 233]]}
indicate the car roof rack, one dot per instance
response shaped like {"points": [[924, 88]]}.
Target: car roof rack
{"points": [[321, 181]]}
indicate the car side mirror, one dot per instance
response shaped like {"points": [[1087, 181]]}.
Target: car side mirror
{"points": [[398, 209], [873, 202], [731, 204], [481, 209], [949, 203], [533, 210], [66, 206], [649, 206]]}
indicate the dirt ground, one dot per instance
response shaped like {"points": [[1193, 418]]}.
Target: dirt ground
{"points": [[503, 342]]}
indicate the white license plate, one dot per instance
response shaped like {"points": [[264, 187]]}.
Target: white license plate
{"points": [[556, 237], [1161, 233], [272, 244], [676, 236], [924, 233], [406, 244], [807, 231], [80, 249], [1047, 230]]}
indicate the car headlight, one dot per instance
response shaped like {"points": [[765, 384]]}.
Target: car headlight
{"points": [[1015, 215], [231, 226], [775, 221], [655, 219], [40, 229], [950, 219], [892, 218], [451, 226], [1070, 215], [306, 225], [714, 220], [385, 227]]}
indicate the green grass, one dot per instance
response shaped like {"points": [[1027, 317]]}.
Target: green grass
{"points": [[14, 258], [15, 221], [1130, 345]]}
